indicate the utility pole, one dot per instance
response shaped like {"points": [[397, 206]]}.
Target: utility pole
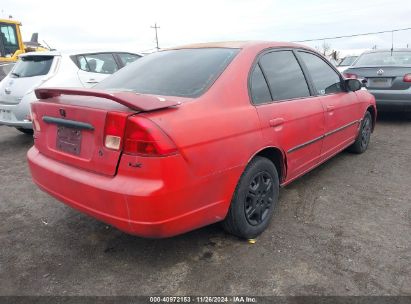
{"points": [[392, 42], [155, 27]]}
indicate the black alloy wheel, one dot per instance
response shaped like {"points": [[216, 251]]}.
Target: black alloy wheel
{"points": [[259, 198], [254, 199]]}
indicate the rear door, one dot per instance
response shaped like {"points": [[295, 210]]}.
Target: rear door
{"points": [[341, 108], [290, 116], [94, 68]]}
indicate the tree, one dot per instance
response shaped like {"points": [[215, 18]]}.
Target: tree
{"points": [[325, 48]]}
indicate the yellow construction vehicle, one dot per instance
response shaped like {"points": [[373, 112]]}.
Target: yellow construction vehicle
{"points": [[12, 45]]}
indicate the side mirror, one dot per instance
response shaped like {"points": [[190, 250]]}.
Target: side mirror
{"points": [[353, 84]]}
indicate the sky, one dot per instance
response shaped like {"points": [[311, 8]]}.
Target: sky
{"points": [[126, 25]]}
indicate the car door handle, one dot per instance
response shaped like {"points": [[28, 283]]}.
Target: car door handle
{"points": [[91, 81], [276, 122], [330, 108]]}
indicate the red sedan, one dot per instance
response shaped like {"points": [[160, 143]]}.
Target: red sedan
{"points": [[195, 135]]}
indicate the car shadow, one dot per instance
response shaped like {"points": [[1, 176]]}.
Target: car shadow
{"points": [[14, 140], [88, 237]]}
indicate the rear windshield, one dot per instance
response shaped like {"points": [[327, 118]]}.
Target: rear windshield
{"points": [[185, 72], [385, 58], [29, 66]]}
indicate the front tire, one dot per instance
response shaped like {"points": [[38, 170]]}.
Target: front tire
{"points": [[363, 138], [254, 200]]}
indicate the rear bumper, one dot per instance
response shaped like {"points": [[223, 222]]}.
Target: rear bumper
{"points": [[17, 124], [17, 114], [143, 207], [392, 100]]}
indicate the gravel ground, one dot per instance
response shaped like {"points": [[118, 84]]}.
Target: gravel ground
{"points": [[343, 229]]}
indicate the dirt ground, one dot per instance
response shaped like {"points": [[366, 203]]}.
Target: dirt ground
{"points": [[343, 229]]}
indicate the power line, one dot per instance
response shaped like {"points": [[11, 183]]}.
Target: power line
{"points": [[355, 35]]}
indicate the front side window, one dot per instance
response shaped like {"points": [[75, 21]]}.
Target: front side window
{"points": [[29, 66], [103, 63], [284, 75], [184, 72], [325, 79]]}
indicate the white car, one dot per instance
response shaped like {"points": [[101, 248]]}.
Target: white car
{"points": [[346, 62], [52, 69]]}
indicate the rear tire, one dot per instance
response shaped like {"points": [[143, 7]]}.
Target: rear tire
{"points": [[26, 131], [254, 200], [363, 138]]}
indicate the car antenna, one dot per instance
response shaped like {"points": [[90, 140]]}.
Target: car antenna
{"points": [[51, 49], [392, 42]]}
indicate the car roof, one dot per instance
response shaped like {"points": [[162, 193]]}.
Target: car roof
{"points": [[240, 45], [387, 50]]}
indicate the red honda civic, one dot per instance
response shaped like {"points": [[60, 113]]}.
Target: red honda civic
{"points": [[194, 135]]}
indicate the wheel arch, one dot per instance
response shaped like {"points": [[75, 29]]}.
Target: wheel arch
{"points": [[373, 113], [277, 157]]}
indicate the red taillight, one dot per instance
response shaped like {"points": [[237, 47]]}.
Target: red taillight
{"points": [[114, 130], [350, 75], [143, 137], [407, 78]]}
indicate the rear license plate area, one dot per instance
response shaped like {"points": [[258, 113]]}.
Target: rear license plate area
{"points": [[68, 140], [5, 115], [379, 82]]}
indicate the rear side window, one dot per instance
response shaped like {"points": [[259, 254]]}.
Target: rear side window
{"points": [[29, 66], [259, 88], [103, 63], [184, 72], [325, 79], [127, 58], [284, 75]]}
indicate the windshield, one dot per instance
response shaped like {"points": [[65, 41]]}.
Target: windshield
{"points": [[385, 58], [185, 72], [8, 40], [347, 61], [30, 66]]}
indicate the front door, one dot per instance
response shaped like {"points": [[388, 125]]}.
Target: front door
{"points": [[341, 108]]}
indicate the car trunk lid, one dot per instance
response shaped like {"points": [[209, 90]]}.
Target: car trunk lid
{"points": [[383, 78], [71, 129]]}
